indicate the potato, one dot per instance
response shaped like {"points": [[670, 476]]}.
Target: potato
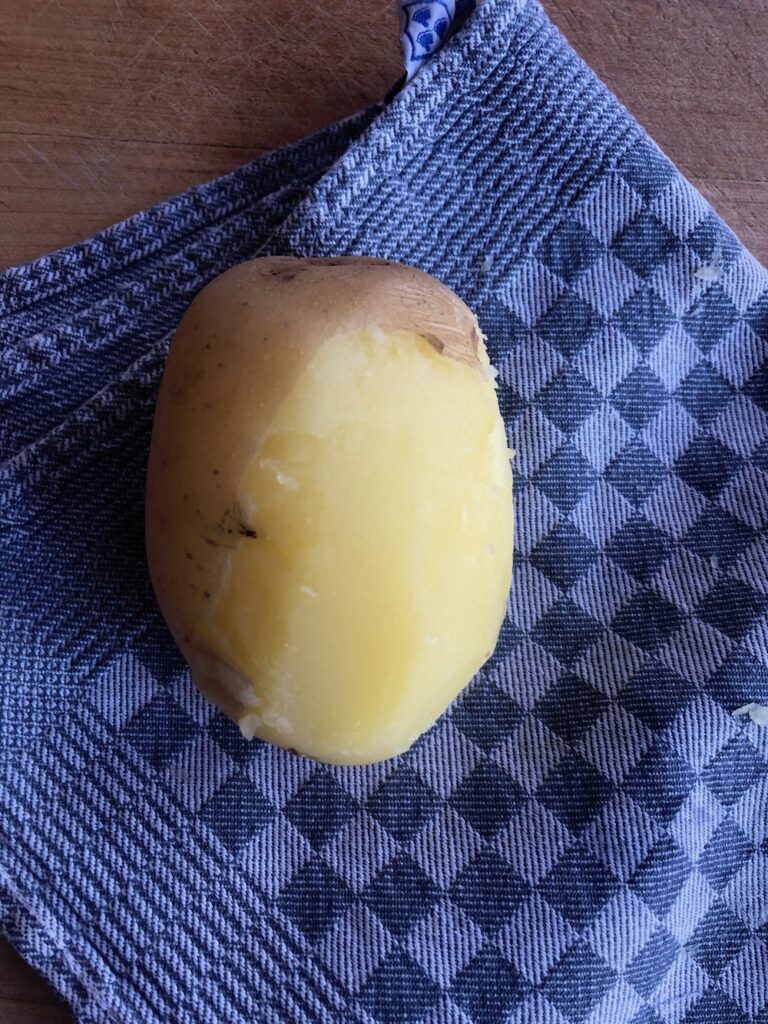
{"points": [[329, 502]]}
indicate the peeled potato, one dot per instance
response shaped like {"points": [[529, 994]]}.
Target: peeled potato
{"points": [[329, 502]]}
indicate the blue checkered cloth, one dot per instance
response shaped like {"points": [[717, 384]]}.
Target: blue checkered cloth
{"points": [[582, 837]]}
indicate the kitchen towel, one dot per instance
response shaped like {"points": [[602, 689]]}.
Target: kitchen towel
{"points": [[582, 837]]}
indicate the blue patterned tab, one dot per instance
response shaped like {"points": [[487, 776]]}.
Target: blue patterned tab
{"points": [[425, 25]]}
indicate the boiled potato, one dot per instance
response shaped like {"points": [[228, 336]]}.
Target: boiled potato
{"points": [[329, 502]]}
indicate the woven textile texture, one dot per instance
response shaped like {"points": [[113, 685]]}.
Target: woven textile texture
{"points": [[583, 837]]}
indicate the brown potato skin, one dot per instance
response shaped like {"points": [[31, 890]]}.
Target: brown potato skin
{"points": [[237, 352]]}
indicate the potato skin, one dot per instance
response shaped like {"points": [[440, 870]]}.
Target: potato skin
{"points": [[240, 348]]}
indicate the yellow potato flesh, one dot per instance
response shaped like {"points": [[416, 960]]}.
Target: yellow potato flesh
{"points": [[376, 582]]}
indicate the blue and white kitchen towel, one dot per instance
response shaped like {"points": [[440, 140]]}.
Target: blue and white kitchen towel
{"points": [[582, 837]]}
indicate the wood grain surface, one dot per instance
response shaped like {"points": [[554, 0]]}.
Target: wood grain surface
{"points": [[24, 996], [107, 106]]}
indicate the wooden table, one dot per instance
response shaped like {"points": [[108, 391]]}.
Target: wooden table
{"points": [[109, 105]]}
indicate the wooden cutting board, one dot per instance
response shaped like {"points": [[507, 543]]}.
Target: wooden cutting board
{"points": [[107, 106]]}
